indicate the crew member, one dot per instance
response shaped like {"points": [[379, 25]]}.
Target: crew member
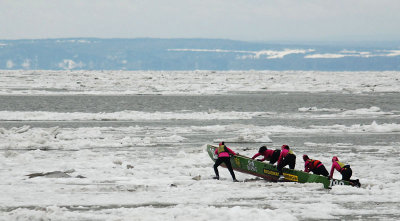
{"points": [[344, 169], [287, 157], [314, 166], [271, 155], [223, 153]]}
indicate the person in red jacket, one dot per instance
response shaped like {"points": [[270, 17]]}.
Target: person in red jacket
{"points": [[344, 169], [314, 166], [287, 157], [223, 153], [271, 155]]}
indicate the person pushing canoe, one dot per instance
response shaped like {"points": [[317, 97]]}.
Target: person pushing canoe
{"points": [[271, 155], [287, 157], [314, 166], [344, 169], [223, 153]]}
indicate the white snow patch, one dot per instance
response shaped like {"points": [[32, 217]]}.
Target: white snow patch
{"points": [[70, 64], [10, 64], [192, 82]]}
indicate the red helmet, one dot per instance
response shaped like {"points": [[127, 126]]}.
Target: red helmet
{"points": [[285, 147], [335, 159], [305, 157]]}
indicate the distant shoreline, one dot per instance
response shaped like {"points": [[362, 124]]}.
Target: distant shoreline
{"points": [[195, 54]]}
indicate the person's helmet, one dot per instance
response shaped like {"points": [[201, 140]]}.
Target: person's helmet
{"points": [[285, 147], [262, 149], [305, 157], [335, 159]]}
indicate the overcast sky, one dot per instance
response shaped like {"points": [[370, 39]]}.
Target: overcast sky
{"points": [[249, 20]]}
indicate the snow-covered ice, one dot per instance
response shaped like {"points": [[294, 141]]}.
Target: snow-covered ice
{"points": [[194, 82], [154, 170]]}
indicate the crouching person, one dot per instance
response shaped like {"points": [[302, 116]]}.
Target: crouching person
{"points": [[314, 166], [345, 170], [271, 155], [287, 157]]}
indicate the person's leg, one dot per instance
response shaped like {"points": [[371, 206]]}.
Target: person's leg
{"points": [[275, 157], [216, 164], [292, 161], [346, 174], [355, 183], [228, 164], [321, 170], [350, 172], [283, 163], [279, 167]]}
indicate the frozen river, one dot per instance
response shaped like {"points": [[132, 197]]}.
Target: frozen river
{"points": [[131, 145]]}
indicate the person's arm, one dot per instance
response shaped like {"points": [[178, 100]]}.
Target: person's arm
{"points": [[230, 151], [255, 156], [281, 156], [306, 168], [332, 170]]}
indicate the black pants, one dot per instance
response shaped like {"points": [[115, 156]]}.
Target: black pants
{"points": [[275, 156], [228, 164], [346, 173], [290, 160], [320, 171]]}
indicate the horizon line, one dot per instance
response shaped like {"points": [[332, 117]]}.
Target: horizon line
{"points": [[221, 39]]}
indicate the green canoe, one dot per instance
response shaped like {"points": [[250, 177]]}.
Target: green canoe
{"points": [[269, 172]]}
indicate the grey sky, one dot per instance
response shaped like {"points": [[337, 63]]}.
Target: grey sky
{"points": [[250, 20]]}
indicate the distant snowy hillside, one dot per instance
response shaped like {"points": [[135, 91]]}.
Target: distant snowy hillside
{"points": [[192, 54]]}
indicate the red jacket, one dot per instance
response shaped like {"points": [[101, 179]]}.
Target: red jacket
{"points": [[267, 155], [338, 166], [284, 153], [310, 165]]}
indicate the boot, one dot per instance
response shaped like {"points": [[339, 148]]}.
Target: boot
{"points": [[358, 184]]}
